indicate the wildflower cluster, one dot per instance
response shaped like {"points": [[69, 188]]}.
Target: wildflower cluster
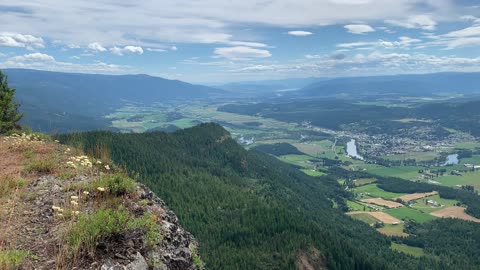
{"points": [[18, 139], [79, 161]]}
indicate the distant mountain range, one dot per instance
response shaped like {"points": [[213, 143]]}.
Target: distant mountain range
{"points": [[268, 86], [413, 85], [64, 101]]}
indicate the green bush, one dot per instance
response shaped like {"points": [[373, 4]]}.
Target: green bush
{"points": [[41, 166], [10, 259], [91, 227], [116, 184]]}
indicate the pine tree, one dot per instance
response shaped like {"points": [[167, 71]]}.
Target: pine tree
{"points": [[9, 115]]}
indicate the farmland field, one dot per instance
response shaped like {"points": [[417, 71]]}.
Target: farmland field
{"points": [[414, 251], [375, 191], [393, 230], [404, 172], [422, 206], [410, 213], [454, 212], [382, 202], [365, 218]]}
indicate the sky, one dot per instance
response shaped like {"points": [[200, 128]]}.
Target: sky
{"points": [[219, 41]]}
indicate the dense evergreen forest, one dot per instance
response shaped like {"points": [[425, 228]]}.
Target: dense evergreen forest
{"points": [[252, 211]]}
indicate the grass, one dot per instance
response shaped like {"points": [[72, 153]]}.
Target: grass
{"points": [[357, 206], [11, 259], [418, 156], [365, 218], [404, 172], [312, 172], [364, 181], [469, 178], [420, 205], [116, 184], [393, 230], [300, 160], [410, 213], [7, 184], [90, 228], [413, 251], [375, 191], [41, 166]]}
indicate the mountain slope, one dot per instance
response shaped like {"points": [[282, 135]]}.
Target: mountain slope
{"points": [[60, 209], [249, 210], [53, 100], [414, 85]]}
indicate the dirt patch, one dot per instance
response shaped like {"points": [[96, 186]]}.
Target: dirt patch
{"points": [[382, 202], [311, 260], [416, 196], [385, 218], [454, 212]]}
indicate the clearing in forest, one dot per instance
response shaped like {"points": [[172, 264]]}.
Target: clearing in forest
{"points": [[454, 212], [416, 196], [382, 202]]}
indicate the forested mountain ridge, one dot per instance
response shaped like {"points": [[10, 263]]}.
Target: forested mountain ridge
{"points": [[410, 84], [60, 102], [251, 211]]}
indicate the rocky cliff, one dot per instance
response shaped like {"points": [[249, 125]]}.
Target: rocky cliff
{"points": [[60, 209]]}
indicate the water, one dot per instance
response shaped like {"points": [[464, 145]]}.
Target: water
{"points": [[352, 150], [451, 160]]}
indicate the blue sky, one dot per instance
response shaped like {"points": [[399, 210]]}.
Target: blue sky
{"points": [[216, 41]]}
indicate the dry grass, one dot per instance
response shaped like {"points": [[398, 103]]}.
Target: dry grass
{"points": [[416, 196], [454, 212], [382, 202], [383, 217]]}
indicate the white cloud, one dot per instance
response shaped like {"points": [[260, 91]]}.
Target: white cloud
{"points": [[127, 49], [248, 44], [155, 50], [47, 62], [174, 48], [299, 33], [424, 22], [359, 28], [21, 41], [466, 32], [403, 43], [313, 56], [96, 47], [32, 57], [190, 21], [241, 52]]}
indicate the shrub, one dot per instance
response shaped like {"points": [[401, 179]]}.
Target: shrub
{"points": [[41, 166], [7, 184], [10, 259], [116, 184], [89, 228]]}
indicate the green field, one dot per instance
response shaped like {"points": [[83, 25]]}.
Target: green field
{"points": [[364, 181], [312, 172], [470, 178], [420, 205], [418, 156], [393, 230], [300, 160], [365, 218], [355, 206], [414, 251], [376, 192], [404, 172], [410, 213]]}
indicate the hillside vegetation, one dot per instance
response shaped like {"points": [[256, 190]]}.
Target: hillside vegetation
{"points": [[251, 211], [60, 209]]}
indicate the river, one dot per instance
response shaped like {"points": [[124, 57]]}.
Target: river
{"points": [[352, 150]]}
